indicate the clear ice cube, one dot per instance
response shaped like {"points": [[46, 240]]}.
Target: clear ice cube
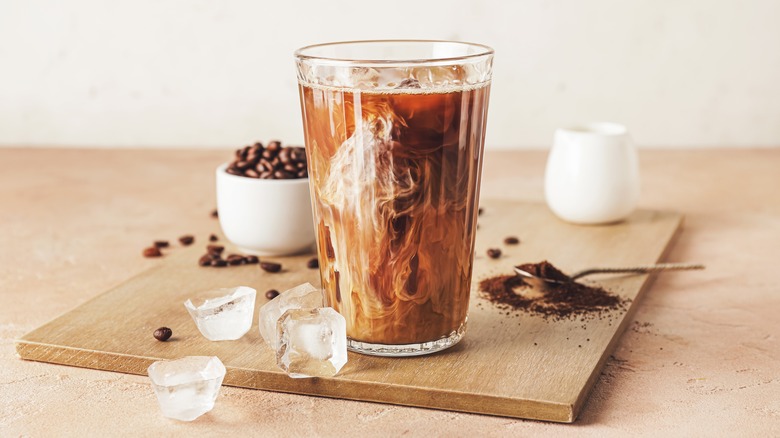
{"points": [[304, 296], [226, 317], [186, 388], [312, 342]]}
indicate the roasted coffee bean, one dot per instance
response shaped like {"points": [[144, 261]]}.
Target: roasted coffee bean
{"points": [[218, 263], [480, 211], [267, 175], [266, 164], [281, 174], [313, 263], [270, 266], [162, 334], [274, 145], [290, 168], [215, 249], [511, 240], [251, 173], [213, 238], [271, 294], [214, 213], [268, 154], [234, 171], [152, 251], [300, 165], [257, 145], [161, 243], [205, 260], [251, 259], [494, 253], [243, 165], [303, 174], [284, 155], [239, 151], [277, 163], [298, 154], [235, 259]]}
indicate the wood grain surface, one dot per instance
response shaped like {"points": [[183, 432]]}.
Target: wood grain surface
{"points": [[510, 365]]}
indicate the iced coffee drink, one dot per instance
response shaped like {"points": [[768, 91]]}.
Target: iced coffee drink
{"points": [[394, 136]]}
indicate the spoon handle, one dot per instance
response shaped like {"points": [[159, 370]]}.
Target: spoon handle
{"points": [[639, 269]]}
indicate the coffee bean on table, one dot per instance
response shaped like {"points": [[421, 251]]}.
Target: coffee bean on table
{"points": [[313, 263], [213, 238], [511, 240], [162, 334], [214, 213], [271, 294], [235, 259], [270, 266], [251, 259], [186, 239], [494, 253], [205, 260], [161, 243], [480, 211], [215, 249], [218, 263], [152, 251]]}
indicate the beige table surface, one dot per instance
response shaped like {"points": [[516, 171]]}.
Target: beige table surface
{"points": [[702, 357]]}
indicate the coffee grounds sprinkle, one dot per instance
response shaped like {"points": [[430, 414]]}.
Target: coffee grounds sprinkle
{"points": [[567, 300]]}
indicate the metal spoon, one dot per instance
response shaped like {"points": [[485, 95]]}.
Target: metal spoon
{"points": [[537, 281]]}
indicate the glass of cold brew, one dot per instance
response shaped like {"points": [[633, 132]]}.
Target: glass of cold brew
{"points": [[394, 135]]}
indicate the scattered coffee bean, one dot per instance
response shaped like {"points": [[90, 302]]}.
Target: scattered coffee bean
{"points": [[213, 238], [152, 251], [313, 263], [205, 260], [214, 213], [511, 240], [251, 259], [218, 263], [270, 266], [161, 243], [480, 211], [215, 249], [162, 334], [187, 239], [494, 253], [235, 259], [271, 294]]}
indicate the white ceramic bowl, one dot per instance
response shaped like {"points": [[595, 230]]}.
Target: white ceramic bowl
{"points": [[265, 216]]}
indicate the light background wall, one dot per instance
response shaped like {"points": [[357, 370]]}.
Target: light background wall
{"points": [[220, 73]]}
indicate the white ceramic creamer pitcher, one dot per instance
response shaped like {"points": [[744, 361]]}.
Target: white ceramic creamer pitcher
{"points": [[592, 174]]}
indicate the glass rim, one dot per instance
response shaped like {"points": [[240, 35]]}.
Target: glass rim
{"points": [[302, 56]]}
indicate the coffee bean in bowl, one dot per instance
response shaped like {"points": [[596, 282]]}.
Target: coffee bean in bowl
{"points": [[270, 162]]}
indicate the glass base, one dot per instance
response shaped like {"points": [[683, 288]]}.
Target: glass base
{"points": [[405, 350]]}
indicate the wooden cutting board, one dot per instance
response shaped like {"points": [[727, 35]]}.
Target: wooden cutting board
{"points": [[510, 365]]}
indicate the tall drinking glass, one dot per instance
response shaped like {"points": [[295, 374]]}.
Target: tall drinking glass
{"points": [[394, 137]]}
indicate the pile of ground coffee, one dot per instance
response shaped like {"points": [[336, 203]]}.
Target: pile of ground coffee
{"points": [[568, 299]]}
